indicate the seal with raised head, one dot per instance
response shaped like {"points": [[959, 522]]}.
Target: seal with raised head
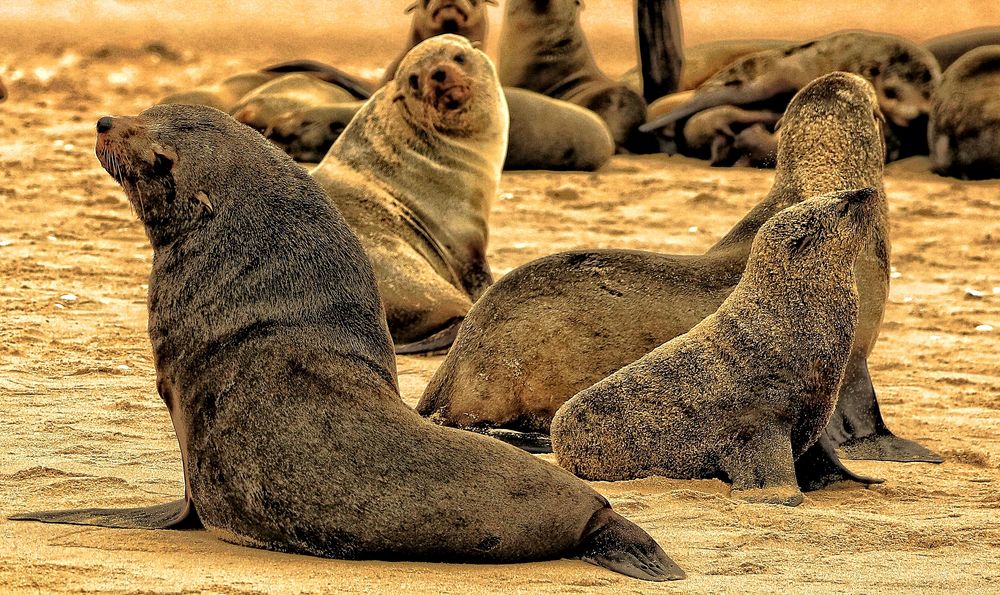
{"points": [[467, 18], [750, 388], [553, 327], [274, 359], [543, 49], [415, 174], [964, 129], [903, 73]]}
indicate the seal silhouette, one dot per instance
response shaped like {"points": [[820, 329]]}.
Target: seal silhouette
{"points": [[553, 327], [749, 388], [274, 359], [964, 129], [414, 174], [543, 49], [904, 75]]}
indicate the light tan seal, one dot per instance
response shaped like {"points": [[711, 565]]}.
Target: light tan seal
{"points": [[903, 73], [543, 49], [750, 388], [555, 326], [964, 129], [274, 360], [415, 174]]}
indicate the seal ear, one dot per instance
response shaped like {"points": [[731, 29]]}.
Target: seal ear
{"points": [[800, 244], [206, 204]]}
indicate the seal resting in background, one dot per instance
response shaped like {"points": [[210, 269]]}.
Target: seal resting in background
{"points": [[904, 75], [964, 129], [949, 48], [555, 326], [414, 174], [467, 18], [284, 94], [749, 388], [543, 49], [274, 360], [728, 135]]}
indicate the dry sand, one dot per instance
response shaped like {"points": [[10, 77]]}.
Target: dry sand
{"points": [[82, 424]]}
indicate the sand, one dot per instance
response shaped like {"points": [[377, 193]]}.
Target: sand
{"points": [[82, 424]]}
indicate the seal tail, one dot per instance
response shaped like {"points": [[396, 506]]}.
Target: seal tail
{"points": [[533, 442], [356, 86], [438, 342], [618, 544], [179, 514]]}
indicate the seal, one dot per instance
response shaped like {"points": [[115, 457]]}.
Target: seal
{"points": [[553, 327], [750, 388], [222, 95], [308, 133], [661, 47], [543, 49], [274, 359], [949, 48], [903, 73], [261, 107], [728, 135], [431, 18], [964, 129], [415, 173]]}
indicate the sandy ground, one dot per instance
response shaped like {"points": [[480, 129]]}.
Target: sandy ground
{"points": [[82, 424]]}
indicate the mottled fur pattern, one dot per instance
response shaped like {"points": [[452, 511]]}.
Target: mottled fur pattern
{"points": [[747, 390], [415, 173], [964, 129], [543, 49], [903, 73], [274, 359], [553, 327]]}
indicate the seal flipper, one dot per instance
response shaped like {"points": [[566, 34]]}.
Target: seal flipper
{"points": [[616, 543], [858, 429], [356, 86], [717, 94], [179, 514], [438, 342], [819, 467]]}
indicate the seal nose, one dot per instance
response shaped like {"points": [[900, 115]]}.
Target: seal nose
{"points": [[105, 124], [439, 75], [861, 195]]}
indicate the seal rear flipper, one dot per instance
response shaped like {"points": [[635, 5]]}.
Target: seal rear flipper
{"points": [[438, 342], [858, 429], [356, 86], [819, 466], [179, 514], [533, 442], [616, 543]]}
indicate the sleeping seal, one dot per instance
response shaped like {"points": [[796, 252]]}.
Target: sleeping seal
{"points": [[415, 173], [274, 360], [749, 388], [555, 326]]}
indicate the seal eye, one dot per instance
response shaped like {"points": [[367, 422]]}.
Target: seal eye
{"points": [[460, 59], [414, 82]]}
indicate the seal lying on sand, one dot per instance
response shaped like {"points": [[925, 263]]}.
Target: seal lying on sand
{"points": [[415, 173], [274, 360], [555, 326], [467, 18], [904, 75], [284, 94], [543, 49], [964, 129], [747, 390], [951, 47]]}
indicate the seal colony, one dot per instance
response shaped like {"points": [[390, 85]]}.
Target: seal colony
{"points": [[553, 327], [747, 390], [274, 360]]}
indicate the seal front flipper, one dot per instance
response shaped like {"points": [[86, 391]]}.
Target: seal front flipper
{"points": [[858, 429], [616, 543], [179, 514], [439, 342], [820, 466]]}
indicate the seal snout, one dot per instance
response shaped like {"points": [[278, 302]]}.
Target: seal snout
{"points": [[105, 124], [448, 87], [861, 196]]}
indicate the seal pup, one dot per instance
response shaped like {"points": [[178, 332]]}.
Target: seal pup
{"points": [[415, 173], [949, 48], [749, 388], [728, 135], [543, 49], [274, 359], [904, 75], [553, 327], [964, 129], [261, 107], [467, 18]]}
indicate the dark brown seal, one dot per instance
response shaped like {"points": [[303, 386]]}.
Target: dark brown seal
{"points": [[415, 174], [543, 49], [750, 388], [964, 128], [555, 326], [273, 357]]}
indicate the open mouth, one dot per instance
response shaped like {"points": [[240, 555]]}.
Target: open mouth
{"points": [[450, 18]]}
